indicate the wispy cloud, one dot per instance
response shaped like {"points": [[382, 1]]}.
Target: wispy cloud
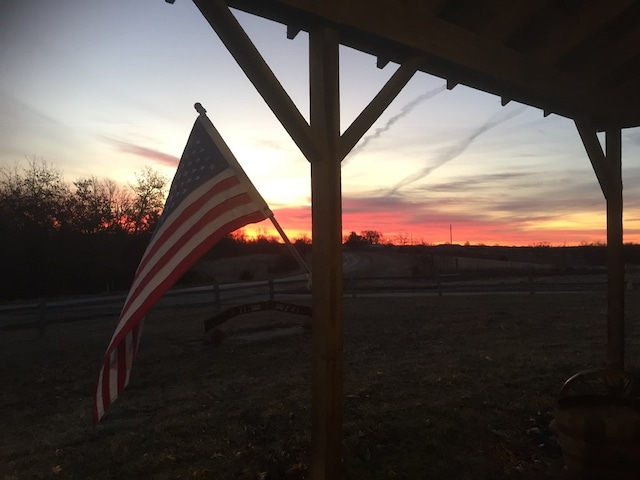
{"points": [[634, 137], [453, 151], [271, 144], [544, 206], [530, 192], [401, 210], [155, 156], [404, 111], [508, 201], [22, 113], [477, 183], [28, 129]]}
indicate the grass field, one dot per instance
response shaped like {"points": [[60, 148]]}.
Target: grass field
{"points": [[459, 387]]}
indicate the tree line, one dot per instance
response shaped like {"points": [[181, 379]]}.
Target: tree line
{"points": [[85, 237], [88, 237]]}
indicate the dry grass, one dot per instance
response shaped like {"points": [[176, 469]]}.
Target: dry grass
{"points": [[455, 387]]}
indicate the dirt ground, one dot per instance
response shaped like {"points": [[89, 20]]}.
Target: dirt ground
{"points": [[460, 387]]}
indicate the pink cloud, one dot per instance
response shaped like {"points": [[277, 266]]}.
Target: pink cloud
{"points": [[156, 156]]}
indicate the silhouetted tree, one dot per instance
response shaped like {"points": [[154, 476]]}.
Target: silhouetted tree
{"points": [[302, 244], [34, 197], [366, 237], [372, 237], [149, 192], [355, 241], [60, 240], [90, 206]]}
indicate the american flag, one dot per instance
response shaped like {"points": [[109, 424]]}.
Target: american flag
{"points": [[210, 197]]}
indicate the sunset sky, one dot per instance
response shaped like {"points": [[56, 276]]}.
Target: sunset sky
{"points": [[105, 88]]}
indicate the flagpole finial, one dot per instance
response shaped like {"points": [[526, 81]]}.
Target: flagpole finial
{"points": [[199, 108]]}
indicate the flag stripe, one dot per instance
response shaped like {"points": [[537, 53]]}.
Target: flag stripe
{"points": [[210, 197], [177, 266], [135, 342], [112, 364], [110, 386], [201, 200], [180, 245], [192, 204], [98, 404], [121, 357], [170, 241]]}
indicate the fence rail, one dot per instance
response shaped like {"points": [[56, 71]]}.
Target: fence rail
{"points": [[40, 314]]}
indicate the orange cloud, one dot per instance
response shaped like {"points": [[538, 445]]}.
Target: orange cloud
{"points": [[401, 221]]}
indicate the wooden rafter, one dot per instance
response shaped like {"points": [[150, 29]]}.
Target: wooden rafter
{"points": [[564, 37], [548, 54]]}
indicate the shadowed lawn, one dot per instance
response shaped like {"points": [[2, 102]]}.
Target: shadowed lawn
{"points": [[454, 387]]}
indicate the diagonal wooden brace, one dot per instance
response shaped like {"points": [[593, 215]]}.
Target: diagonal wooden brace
{"points": [[258, 72]]}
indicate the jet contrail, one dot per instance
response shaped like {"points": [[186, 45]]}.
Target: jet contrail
{"points": [[456, 150], [404, 111]]}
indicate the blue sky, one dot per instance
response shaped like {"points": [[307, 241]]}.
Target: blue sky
{"points": [[107, 88]]}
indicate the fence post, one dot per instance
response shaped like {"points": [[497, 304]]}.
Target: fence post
{"points": [[353, 287], [216, 295], [42, 316], [272, 293], [438, 283], [531, 288]]}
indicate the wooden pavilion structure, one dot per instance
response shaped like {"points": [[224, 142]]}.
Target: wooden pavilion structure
{"points": [[575, 58]]}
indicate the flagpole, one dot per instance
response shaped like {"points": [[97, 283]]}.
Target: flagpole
{"points": [[295, 253]]}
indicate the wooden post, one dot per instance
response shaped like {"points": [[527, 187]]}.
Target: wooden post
{"points": [[615, 260], [608, 169], [322, 145], [326, 210], [272, 291]]}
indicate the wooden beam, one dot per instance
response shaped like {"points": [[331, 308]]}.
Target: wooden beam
{"points": [[249, 59], [450, 51], [627, 56], [608, 169], [326, 210], [601, 63], [479, 58], [378, 105], [615, 260], [559, 39], [589, 138], [622, 107], [509, 17], [292, 32]]}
